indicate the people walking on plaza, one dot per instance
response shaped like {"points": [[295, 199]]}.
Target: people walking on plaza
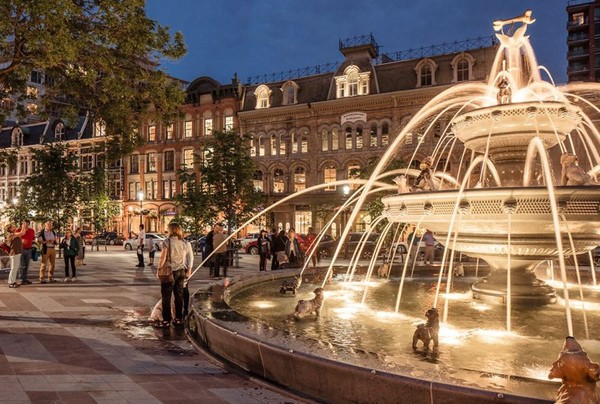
{"points": [[151, 251], [264, 250], [81, 241], [220, 249], [311, 247], [27, 237], [70, 247], [16, 248], [48, 240], [177, 252], [278, 244], [141, 239], [292, 249], [208, 249], [429, 240]]}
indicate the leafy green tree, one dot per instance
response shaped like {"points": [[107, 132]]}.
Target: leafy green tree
{"points": [[95, 197], [52, 190], [193, 203], [227, 175], [97, 57]]}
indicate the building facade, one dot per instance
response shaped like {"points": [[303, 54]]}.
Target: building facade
{"points": [[583, 41]]}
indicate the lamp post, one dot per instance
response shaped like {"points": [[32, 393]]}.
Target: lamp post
{"points": [[141, 199], [129, 220], [346, 192]]}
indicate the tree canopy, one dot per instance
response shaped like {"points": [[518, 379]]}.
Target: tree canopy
{"points": [[97, 57]]}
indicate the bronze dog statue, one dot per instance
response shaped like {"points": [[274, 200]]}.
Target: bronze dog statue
{"points": [[313, 306], [290, 285], [429, 331]]}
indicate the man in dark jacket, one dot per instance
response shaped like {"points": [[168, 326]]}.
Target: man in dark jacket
{"points": [[208, 249], [279, 241]]}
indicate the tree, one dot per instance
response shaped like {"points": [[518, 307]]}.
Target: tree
{"points": [[52, 190], [95, 196], [98, 58], [193, 202], [227, 175]]}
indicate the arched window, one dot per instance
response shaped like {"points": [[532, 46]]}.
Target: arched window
{"points": [[352, 83], [59, 130], [258, 181], [353, 172], [359, 137], [282, 144], [330, 175], [385, 134], [16, 137], [294, 138], [462, 67], [299, 179], [324, 140], [273, 145], [290, 92], [425, 70], [304, 142], [278, 181], [462, 70], [373, 142], [252, 146], [348, 138], [335, 142], [261, 145], [262, 94]]}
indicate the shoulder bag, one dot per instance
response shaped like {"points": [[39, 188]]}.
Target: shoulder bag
{"points": [[165, 273]]}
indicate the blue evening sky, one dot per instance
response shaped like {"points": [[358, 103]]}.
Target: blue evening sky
{"points": [[253, 37]]}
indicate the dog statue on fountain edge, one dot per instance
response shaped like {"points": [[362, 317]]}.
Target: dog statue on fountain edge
{"points": [[313, 306], [428, 332], [578, 373], [291, 285]]}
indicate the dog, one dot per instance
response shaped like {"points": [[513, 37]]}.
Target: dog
{"points": [[313, 306], [384, 270], [290, 285], [429, 331], [459, 270]]}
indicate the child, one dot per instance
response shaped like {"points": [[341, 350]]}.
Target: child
{"points": [[151, 250]]}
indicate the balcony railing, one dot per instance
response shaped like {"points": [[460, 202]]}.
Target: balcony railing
{"points": [[579, 52], [578, 37]]}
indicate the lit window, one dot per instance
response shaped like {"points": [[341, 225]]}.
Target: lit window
{"points": [[208, 126], [348, 138], [462, 66], [330, 175], [228, 123], [262, 94], [32, 108], [385, 136], [304, 142], [273, 145], [282, 144], [32, 92], [353, 171], [294, 142], [353, 82], [299, 179], [169, 132], [278, 181], [152, 133], [425, 70], [290, 93], [252, 147], [324, 140], [578, 19], [373, 135], [359, 137], [134, 164], [258, 181], [151, 162], [206, 154], [99, 128], [334, 139], [261, 146], [188, 129], [188, 158]]}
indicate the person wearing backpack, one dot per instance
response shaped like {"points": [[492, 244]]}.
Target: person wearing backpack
{"points": [[48, 240]]}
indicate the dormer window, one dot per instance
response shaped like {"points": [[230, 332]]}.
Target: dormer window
{"points": [[262, 94], [352, 83], [425, 70], [462, 67], [16, 136], [290, 92], [59, 131]]}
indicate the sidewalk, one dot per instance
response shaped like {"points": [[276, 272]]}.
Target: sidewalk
{"points": [[90, 341]]}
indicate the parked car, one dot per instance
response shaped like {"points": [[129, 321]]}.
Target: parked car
{"points": [[197, 241], [250, 237], [88, 235], [108, 237], [327, 248], [131, 243]]}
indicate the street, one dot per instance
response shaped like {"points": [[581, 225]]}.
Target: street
{"points": [[91, 341]]}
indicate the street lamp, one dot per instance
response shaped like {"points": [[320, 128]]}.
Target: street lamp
{"points": [[141, 199], [129, 220], [15, 201]]}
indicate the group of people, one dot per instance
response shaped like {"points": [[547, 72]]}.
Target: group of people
{"points": [[414, 242], [216, 245], [284, 249], [21, 244], [143, 244]]}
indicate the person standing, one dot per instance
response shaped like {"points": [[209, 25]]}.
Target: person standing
{"points": [[264, 250], [278, 242], [208, 249], [141, 239], [220, 249], [81, 241], [48, 240], [70, 247], [429, 246], [292, 249], [175, 249], [16, 248], [151, 250], [27, 236], [311, 249]]}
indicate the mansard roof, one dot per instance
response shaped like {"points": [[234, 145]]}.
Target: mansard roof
{"points": [[43, 131], [205, 85]]}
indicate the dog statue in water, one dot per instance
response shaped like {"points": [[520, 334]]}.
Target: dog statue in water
{"points": [[307, 307], [429, 331], [291, 285], [384, 270], [459, 270]]}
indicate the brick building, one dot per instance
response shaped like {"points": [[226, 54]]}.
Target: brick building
{"points": [[583, 41]]}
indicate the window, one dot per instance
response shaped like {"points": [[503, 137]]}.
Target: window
{"points": [[152, 133], [462, 67], [151, 189], [35, 77], [425, 70], [168, 190], [32, 92], [324, 140], [252, 147], [169, 132], [373, 141], [208, 126], [134, 164], [578, 19], [282, 144], [32, 108], [100, 129], [462, 70], [330, 175], [59, 130], [23, 166], [443, 165], [304, 142], [290, 93], [206, 154], [334, 139], [385, 136], [353, 171], [261, 145], [359, 137], [151, 162], [169, 157], [258, 181], [273, 145], [228, 123], [278, 181], [262, 94], [188, 129], [188, 158], [348, 138], [294, 142], [133, 189], [352, 83], [299, 179], [87, 159]]}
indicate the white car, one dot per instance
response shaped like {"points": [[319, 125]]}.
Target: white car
{"points": [[248, 239], [132, 243]]}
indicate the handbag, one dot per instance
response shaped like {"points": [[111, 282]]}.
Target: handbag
{"points": [[165, 273], [282, 257]]}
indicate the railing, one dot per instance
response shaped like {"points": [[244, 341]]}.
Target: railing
{"points": [[579, 52], [293, 74], [577, 23], [579, 37], [436, 50], [578, 2], [361, 40], [578, 68]]}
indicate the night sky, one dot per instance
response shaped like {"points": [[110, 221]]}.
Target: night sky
{"points": [[253, 37]]}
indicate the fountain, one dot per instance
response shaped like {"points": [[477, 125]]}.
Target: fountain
{"points": [[503, 204]]}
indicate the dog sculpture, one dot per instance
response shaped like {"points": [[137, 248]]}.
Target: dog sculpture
{"points": [[571, 173], [459, 270], [384, 270], [290, 285], [429, 331], [313, 306]]}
